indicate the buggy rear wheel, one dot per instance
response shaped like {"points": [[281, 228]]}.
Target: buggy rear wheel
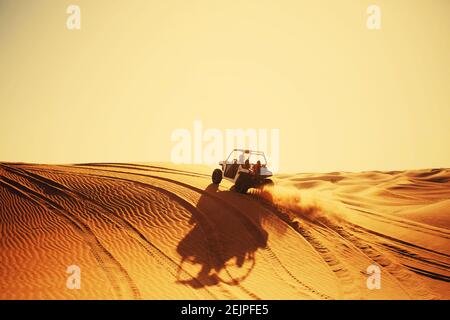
{"points": [[216, 176]]}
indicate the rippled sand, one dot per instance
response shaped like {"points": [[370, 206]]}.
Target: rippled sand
{"points": [[165, 232]]}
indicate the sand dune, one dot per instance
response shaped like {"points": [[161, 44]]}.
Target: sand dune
{"points": [[161, 231]]}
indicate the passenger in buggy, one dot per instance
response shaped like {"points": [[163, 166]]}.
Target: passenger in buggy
{"points": [[256, 168]]}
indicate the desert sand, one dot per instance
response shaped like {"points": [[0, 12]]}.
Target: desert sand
{"points": [[160, 231]]}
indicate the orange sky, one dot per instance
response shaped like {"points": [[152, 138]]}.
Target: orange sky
{"points": [[343, 97]]}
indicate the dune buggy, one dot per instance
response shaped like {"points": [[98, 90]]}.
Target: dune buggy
{"points": [[246, 168]]}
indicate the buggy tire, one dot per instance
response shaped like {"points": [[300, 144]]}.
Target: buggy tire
{"points": [[267, 183], [216, 176], [242, 183]]}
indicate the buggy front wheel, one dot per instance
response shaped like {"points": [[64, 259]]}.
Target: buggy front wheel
{"points": [[242, 183]]}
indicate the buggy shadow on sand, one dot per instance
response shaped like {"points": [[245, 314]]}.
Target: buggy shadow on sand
{"points": [[245, 168], [222, 244]]}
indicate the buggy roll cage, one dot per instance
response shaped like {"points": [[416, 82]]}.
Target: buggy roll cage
{"points": [[246, 151]]}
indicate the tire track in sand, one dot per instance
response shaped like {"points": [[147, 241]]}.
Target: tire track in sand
{"points": [[194, 211], [349, 288], [253, 229], [402, 276], [106, 260], [161, 258]]}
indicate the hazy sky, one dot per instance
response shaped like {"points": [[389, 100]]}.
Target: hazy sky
{"points": [[344, 97]]}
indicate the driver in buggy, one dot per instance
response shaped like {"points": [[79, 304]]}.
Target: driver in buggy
{"points": [[256, 168], [246, 165]]}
